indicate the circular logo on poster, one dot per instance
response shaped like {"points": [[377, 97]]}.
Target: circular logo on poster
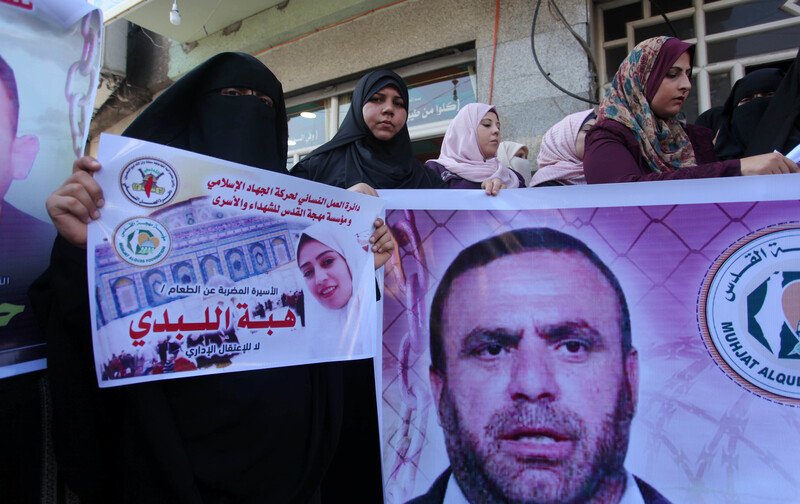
{"points": [[148, 182], [141, 241], [749, 312]]}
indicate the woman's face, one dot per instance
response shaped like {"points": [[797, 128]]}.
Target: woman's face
{"points": [[384, 114], [674, 89], [522, 153], [489, 135], [326, 273], [580, 140]]}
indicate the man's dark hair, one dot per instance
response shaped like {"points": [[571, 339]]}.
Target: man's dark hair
{"points": [[10, 85], [510, 243]]}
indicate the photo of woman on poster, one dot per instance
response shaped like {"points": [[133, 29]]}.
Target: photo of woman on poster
{"points": [[331, 267]]}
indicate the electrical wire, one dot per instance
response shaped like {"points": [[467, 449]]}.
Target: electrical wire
{"points": [[584, 45], [539, 65], [494, 47], [375, 9], [144, 30], [666, 19]]}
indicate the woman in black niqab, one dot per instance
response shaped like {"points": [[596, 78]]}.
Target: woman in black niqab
{"points": [[354, 155], [779, 128], [192, 114], [256, 436], [738, 122]]}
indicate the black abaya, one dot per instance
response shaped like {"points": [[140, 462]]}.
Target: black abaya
{"points": [[256, 436], [710, 119]]}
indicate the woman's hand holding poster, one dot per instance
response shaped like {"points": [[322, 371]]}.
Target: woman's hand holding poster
{"points": [[201, 266]]}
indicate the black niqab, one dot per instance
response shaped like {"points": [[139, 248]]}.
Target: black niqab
{"points": [[192, 115], [737, 124], [354, 155], [779, 128]]}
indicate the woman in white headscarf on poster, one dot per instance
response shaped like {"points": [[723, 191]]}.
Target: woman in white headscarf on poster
{"points": [[332, 266]]}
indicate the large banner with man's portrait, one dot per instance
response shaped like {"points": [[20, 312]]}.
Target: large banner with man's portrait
{"points": [[49, 66], [571, 344], [200, 266]]}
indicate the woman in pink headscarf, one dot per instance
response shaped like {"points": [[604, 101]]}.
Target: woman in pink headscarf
{"points": [[560, 156], [469, 152]]}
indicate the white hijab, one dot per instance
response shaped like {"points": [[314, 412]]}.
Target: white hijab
{"points": [[506, 154], [333, 331]]}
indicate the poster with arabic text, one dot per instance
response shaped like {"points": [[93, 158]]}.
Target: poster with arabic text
{"points": [[513, 373], [201, 266]]}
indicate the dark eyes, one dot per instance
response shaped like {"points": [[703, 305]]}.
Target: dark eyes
{"points": [[768, 94], [266, 100], [571, 350], [308, 272], [675, 75], [489, 350], [379, 99], [574, 350], [574, 346], [494, 349]]}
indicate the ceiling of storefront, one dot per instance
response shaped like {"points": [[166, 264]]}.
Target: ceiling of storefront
{"points": [[199, 18]]}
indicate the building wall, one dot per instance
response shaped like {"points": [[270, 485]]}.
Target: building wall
{"points": [[401, 31]]}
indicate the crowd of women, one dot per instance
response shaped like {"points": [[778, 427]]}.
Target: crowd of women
{"points": [[637, 134], [308, 433]]}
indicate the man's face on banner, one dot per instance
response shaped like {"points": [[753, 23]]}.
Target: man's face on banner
{"points": [[16, 154], [536, 398], [6, 139]]}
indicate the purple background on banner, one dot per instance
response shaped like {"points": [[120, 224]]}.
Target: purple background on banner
{"points": [[697, 435]]}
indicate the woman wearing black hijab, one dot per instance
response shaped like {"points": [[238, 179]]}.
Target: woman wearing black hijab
{"points": [[742, 111], [356, 154], [255, 436], [779, 128], [195, 115]]}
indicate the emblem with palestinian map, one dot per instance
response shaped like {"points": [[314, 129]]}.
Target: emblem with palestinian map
{"points": [[148, 182]]}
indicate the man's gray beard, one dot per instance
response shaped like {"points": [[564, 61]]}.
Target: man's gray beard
{"points": [[484, 481]]}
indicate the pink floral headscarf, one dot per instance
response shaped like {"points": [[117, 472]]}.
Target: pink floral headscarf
{"points": [[664, 142], [558, 158], [461, 153]]}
